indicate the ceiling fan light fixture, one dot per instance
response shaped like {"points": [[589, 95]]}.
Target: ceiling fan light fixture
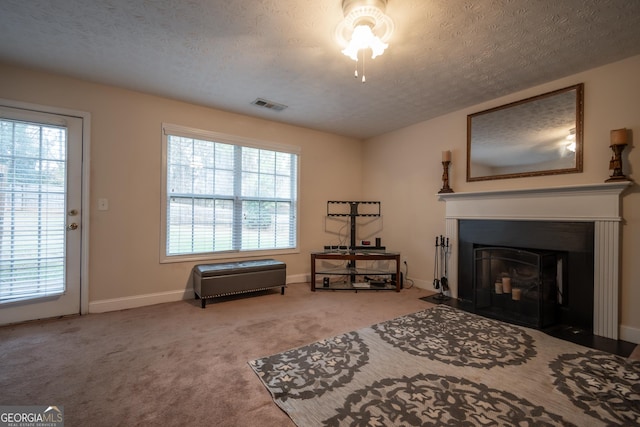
{"points": [[365, 26], [571, 138], [363, 38]]}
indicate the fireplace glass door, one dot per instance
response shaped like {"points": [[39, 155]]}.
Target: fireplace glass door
{"points": [[519, 286]]}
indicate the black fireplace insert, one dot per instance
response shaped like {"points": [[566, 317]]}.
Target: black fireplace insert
{"points": [[525, 287], [565, 294]]}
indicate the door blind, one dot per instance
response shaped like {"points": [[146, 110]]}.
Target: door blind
{"points": [[32, 210]]}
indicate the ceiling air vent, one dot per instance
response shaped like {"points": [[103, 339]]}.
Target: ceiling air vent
{"points": [[260, 102]]}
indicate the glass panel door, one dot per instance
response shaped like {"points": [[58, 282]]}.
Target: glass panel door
{"points": [[40, 192]]}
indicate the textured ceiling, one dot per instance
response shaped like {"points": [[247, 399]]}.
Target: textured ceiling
{"points": [[444, 55]]}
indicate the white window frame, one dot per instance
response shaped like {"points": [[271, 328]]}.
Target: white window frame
{"points": [[177, 130]]}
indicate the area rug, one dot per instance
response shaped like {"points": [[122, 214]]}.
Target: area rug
{"points": [[444, 366]]}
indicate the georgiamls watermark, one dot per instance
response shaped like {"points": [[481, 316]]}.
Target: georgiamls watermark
{"points": [[31, 416]]}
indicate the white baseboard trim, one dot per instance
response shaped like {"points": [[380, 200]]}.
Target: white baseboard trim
{"points": [[629, 334], [125, 303], [103, 306], [299, 278], [422, 284]]}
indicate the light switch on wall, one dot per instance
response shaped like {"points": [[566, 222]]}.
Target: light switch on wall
{"points": [[103, 204]]}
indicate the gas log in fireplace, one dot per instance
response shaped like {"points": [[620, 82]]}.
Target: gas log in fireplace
{"points": [[533, 273]]}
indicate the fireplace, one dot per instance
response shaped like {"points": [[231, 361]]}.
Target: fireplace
{"points": [[593, 284], [519, 286], [546, 267]]}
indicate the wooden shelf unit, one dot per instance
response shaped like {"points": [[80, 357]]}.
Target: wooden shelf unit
{"points": [[352, 271]]}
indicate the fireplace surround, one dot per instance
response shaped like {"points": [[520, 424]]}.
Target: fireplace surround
{"points": [[595, 206]]}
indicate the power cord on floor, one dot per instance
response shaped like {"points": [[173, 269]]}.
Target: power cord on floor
{"points": [[406, 277]]}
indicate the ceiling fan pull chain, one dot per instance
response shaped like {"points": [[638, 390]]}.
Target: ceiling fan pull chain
{"points": [[364, 79]]}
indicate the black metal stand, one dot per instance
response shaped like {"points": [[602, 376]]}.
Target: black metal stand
{"points": [[441, 257]]}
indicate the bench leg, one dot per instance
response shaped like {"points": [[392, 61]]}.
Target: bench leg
{"points": [[203, 303]]}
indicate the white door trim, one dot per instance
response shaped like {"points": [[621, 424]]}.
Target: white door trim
{"points": [[86, 202]]}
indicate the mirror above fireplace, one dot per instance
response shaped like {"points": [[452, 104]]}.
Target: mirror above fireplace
{"points": [[541, 135]]}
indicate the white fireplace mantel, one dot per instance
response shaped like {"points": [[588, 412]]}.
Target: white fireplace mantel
{"points": [[597, 203]]}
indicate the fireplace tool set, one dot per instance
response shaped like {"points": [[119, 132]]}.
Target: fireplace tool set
{"points": [[440, 269]]}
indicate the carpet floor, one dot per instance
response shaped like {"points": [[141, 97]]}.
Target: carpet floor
{"points": [[176, 364]]}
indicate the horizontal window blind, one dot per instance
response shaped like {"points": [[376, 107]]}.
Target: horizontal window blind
{"points": [[32, 210], [225, 196]]}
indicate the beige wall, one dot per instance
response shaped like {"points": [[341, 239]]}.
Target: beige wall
{"points": [[403, 170], [126, 167]]}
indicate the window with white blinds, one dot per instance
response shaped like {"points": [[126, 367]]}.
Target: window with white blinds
{"points": [[224, 194], [32, 210]]}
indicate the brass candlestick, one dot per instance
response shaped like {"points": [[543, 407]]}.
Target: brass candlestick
{"points": [[445, 178], [615, 164]]}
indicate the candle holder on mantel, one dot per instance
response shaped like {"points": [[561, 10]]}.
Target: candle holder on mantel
{"points": [[618, 143], [445, 178]]}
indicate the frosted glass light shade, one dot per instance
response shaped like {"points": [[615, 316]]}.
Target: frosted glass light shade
{"points": [[365, 26], [363, 38]]}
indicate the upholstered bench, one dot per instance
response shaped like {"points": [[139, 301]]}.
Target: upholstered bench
{"points": [[228, 278]]}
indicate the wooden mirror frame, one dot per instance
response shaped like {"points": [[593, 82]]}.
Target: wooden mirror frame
{"points": [[533, 132]]}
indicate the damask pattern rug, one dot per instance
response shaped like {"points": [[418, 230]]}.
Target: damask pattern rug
{"points": [[443, 366]]}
